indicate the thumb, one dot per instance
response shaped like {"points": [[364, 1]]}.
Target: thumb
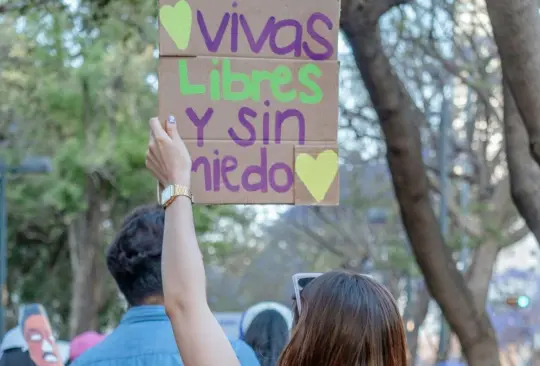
{"points": [[172, 129]]}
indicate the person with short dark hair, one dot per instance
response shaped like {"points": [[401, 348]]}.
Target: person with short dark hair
{"points": [[134, 257], [265, 327], [144, 335]]}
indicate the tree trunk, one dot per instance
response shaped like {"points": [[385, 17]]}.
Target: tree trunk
{"points": [[85, 254], [516, 26], [418, 310], [399, 118], [479, 275], [478, 279], [524, 173]]}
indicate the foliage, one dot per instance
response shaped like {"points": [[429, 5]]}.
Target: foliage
{"points": [[80, 92]]}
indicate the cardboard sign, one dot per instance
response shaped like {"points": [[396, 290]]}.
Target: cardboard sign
{"points": [[258, 103], [306, 29]]}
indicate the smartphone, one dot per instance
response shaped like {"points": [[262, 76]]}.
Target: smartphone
{"points": [[300, 281]]}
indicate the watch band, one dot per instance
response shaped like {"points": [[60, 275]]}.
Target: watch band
{"points": [[171, 192]]}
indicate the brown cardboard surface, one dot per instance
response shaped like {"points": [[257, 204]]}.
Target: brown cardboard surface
{"points": [[283, 24], [316, 175], [320, 119], [235, 163]]}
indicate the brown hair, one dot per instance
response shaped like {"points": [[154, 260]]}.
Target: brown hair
{"points": [[347, 319]]}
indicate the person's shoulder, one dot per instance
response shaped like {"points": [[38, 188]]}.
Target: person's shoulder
{"points": [[244, 353], [88, 358], [96, 355], [94, 358], [129, 346]]}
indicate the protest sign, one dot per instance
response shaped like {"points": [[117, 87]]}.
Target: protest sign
{"points": [[306, 29], [254, 89]]}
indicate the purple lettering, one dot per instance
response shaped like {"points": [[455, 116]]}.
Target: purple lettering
{"points": [[200, 123], [270, 33], [201, 160], [257, 170], [255, 178], [257, 45], [213, 44], [289, 178], [234, 33], [217, 171], [266, 125], [229, 164], [242, 113], [318, 38], [281, 117], [296, 43]]}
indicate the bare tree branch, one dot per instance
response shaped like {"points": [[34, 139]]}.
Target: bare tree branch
{"points": [[516, 26], [515, 236], [524, 173], [399, 118], [472, 227]]}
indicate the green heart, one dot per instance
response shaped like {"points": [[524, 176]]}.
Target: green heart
{"points": [[177, 22]]}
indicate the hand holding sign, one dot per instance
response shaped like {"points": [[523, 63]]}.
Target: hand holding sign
{"points": [[167, 156]]}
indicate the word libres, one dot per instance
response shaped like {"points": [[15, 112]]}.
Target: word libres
{"points": [[238, 24], [248, 84]]}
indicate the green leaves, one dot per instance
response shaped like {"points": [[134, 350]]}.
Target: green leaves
{"points": [[78, 91]]}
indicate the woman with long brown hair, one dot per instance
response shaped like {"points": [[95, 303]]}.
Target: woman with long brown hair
{"points": [[344, 319]]}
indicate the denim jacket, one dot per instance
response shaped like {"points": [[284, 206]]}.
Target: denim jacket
{"points": [[144, 337]]}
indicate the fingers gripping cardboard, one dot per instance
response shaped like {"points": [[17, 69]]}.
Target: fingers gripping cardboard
{"points": [[261, 83]]}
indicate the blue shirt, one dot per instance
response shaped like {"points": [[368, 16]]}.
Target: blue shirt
{"points": [[145, 337]]}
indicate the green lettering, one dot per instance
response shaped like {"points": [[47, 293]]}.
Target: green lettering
{"points": [[215, 90], [257, 77], [305, 80], [229, 77], [281, 76], [214, 85], [185, 87]]}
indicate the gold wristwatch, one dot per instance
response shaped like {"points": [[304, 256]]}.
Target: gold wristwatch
{"points": [[171, 192]]}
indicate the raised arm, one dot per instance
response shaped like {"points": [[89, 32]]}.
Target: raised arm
{"points": [[199, 336]]}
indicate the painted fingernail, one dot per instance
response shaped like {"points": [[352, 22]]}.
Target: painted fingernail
{"points": [[172, 119]]}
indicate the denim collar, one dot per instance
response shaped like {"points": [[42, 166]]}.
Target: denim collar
{"points": [[144, 313]]}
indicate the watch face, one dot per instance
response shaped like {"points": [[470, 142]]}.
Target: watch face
{"points": [[166, 194]]}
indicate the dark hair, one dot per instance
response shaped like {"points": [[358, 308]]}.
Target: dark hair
{"points": [[346, 319], [267, 334], [27, 310], [134, 256]]}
